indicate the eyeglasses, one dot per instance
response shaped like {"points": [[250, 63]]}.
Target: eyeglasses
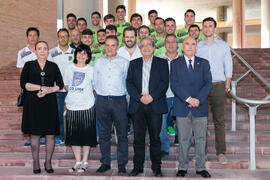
{"points": [[63, 37], [145, 45]]}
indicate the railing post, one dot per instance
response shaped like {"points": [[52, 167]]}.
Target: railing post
{"points": [[233, 84], [252, 137]]}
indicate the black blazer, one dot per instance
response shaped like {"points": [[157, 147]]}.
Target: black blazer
{"points": [[158, 84]]}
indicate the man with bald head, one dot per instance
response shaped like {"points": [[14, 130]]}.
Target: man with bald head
{"points": [[75, 38], [191, 82]]}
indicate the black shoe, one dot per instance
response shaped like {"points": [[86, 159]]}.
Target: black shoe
{"points": [[103, 168], [176, 142], [36, 171], [204, 173], [157, 172], [49, 171], [181, 173], [122, 169], [135, 171]]}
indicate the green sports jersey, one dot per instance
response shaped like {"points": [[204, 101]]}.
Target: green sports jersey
{"points": [[160, 48], [96, 53], [152, 30], [95, 41], [138, 40], [181, 34], [120, 30]]}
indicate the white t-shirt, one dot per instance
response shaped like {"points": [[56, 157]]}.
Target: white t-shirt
{"points": [[125, 54], [62, 59], [25, 55], [80, 94]]}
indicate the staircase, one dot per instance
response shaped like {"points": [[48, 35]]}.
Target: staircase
{"points": [[16, 160]]}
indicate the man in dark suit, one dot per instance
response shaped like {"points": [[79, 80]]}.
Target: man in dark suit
{"points": [[147, 82], [191, 82]]}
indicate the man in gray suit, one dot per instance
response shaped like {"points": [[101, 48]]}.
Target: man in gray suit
{"points": [[191, 82]]}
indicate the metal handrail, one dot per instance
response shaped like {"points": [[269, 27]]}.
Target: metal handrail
{"points": [[251, 104], [251, 68], [248, 101]]}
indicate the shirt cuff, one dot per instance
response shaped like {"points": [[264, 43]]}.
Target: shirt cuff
{"points": [[188, 98]]}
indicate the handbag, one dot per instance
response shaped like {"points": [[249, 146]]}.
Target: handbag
{"points": [[21, 98]]}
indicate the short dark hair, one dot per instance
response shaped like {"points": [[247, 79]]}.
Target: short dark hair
{"points": [[109, 16], [97, 13], [158, 19], [62, 30], [32, 29], [71, 15], [171, 35], [101, 30], [144, 26], [41, 42], [120, 7], [81, 19], [210, 19], [130, 28], [87, 32], [152, 11], [169, 19], [190, 10], [135, 15], [85, 48], [112, 37], [193, 26], [111, 27]]}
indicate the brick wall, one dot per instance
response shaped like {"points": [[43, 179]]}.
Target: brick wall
{"points": [[16, 16]]}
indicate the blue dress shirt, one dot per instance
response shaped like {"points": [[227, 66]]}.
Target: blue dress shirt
{"points": [[110, 76], [219, 56]]}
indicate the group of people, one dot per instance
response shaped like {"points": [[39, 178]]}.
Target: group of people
{"points": [[105, 77]]}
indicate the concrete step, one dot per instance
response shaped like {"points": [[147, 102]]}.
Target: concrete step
{"points": [[233, 148], [67, 160], [23, 173]]}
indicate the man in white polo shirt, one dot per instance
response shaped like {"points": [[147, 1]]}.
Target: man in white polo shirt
{"points": [[27, 53], [131, 50], [62, 56]]}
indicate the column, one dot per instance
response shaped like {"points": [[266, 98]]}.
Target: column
{"points": [[131, 8], [238, 28], [221, 17], [100, 10], [112, 4], [265, 23]]}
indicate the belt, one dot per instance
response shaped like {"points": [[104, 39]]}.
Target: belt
{"points": [[112, 97], [217, 83]]}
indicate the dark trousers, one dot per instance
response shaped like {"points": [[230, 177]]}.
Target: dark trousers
{"points": [[144, 119], [108, 111], [216, 99]]}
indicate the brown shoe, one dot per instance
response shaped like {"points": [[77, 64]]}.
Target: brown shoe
{"points": [[222, 159]]}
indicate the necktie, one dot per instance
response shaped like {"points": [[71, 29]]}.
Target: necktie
{"points": [[190, 69]]}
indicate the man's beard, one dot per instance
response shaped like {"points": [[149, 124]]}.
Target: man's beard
{"points": [[130, 46]]}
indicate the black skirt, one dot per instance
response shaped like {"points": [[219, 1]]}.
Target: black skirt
{"points": [[81, 127]]}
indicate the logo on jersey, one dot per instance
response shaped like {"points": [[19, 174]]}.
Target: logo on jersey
{"points": [[78, 78]]}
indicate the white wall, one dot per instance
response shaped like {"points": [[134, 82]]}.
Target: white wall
{"points": [[203, 9], [81, 8]]}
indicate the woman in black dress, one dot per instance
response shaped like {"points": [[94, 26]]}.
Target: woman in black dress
{"points": [[41, 79]]}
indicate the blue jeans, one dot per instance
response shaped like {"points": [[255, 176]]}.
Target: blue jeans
{"points": [[164, 137], [60, 96]]}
